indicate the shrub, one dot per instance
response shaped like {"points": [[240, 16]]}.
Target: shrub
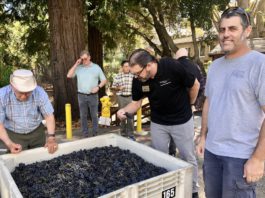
{"points": [[5, 72]]}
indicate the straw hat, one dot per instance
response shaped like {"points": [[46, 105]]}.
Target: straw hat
{"points": [[23, 80]]}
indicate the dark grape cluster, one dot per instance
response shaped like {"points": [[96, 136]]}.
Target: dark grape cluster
{"points": [[85, 173]]}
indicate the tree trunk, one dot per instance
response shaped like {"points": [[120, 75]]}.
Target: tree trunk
{"points": [[95, 47], [166, 41], [67, 40], [243, 3], [259, 19], [196, 57], [194, 40]]}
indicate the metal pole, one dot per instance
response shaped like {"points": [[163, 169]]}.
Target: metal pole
{"points": [[139, 121]]}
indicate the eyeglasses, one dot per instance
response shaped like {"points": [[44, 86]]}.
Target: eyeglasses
{"points": [[139, 73], [237, 10], [23, 93]]}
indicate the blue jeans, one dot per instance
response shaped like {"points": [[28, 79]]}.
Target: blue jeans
{"points": [[88, 102], [223, 177]]}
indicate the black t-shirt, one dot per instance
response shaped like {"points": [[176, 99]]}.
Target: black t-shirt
{"points": [[167, 92], [195, 69], [192, 66]]}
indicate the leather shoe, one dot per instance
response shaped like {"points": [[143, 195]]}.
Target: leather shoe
{"points": [[195, 195]]}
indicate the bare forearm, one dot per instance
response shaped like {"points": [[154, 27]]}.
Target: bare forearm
{"points": [[4, 137], [102, 83], [71, 72], [204, 121], [193, 91], [260, 148], [133, 106], [50, 121]]}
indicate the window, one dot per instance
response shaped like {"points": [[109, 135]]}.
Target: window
{"points": [[202, 50]]}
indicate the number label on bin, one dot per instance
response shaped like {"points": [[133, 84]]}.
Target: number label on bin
{"points": [[169, 193]]}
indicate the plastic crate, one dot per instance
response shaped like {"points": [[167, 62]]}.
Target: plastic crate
{"points": [[175, 183]]}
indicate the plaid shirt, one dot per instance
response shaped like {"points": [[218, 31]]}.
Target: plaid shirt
{"points": [[124, 80], [23, 117]]}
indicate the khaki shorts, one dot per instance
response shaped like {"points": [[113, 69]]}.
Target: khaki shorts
{"points": [[34, 139]]}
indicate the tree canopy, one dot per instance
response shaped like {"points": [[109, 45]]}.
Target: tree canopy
{"points": [[33, 37]]}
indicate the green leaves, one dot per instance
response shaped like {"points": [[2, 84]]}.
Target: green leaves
{"points": [[5, 72], [200, 11]]}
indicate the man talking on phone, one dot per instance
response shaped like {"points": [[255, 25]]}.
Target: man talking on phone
{"points": [[88, 76]]}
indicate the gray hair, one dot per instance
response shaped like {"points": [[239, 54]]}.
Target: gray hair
{"points": [[141, 57], [84, 52], [240, 12]]}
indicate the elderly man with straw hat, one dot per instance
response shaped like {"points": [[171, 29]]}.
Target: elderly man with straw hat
{"points": [[23, 105]]}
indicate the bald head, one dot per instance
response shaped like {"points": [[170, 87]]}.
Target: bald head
{"points": [[181, 52]]}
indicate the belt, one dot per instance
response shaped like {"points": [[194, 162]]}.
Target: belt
{"points": [[125, 95], [41, 125], [86, 94]]}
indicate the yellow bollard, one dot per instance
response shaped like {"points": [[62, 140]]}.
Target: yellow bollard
{"points": [[139, 121], [68, 120], [139, 130]]}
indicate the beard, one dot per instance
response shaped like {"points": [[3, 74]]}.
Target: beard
{"points": [[146, 78]]}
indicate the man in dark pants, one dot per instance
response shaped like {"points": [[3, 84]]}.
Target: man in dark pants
{"points": [[170, 88], [122, 83], [23, 105], [182, 56], [88, 75], [233, 125]]}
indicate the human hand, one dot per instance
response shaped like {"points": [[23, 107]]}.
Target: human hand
{"points": [[121, 114], [78, 62], [200, 148], [15, 148], [95, 90], [253, 169], [122, 88], [51, 144]]}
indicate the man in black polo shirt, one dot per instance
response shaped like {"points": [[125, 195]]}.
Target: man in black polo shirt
{"points": [[170, 88], [182, 56]]}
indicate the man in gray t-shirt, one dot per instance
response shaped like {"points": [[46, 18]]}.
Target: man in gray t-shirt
{"points": [[233, 126]]}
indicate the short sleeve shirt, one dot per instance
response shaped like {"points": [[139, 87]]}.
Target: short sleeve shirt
{"points": [[167, 92], [236, 93], [23, 117], [88, 77], [124, 80]]}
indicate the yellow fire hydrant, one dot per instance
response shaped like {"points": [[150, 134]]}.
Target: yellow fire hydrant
{"points": [[105, 111]]}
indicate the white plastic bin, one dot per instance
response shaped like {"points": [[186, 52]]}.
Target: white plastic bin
{"points": [[176, 183]]}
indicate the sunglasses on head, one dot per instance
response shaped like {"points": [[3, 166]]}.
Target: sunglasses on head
{"points": [[237, 10]]}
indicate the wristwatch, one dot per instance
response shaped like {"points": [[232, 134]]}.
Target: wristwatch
{"points": [[51, 135]]}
